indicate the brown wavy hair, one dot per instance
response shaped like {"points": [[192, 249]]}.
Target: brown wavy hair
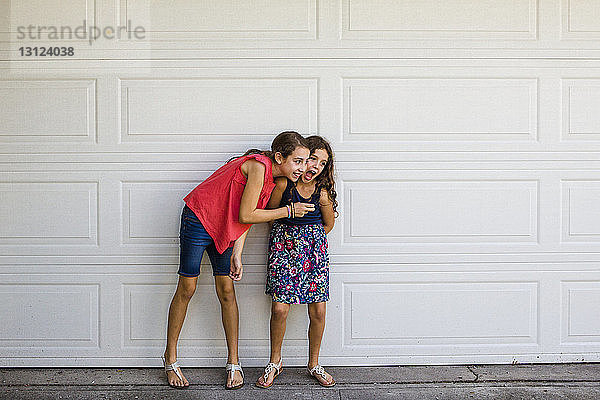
{"points": [[284, 143], [326, 179]]}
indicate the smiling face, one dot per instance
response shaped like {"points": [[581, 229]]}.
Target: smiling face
{"points": [[315, 165], [293, 166]]}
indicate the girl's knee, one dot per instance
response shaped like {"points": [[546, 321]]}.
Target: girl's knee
{"points": [[186, 289], [225, 291], [226, 295], [316, 312], [279, 311]]}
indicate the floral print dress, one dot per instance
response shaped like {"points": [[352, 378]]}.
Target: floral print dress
{"points": [[298, 267]]}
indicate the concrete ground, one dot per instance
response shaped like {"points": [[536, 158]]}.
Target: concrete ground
{"points": [[539, 381]]}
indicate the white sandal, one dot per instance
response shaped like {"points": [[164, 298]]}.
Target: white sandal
{"points": [[268, 369], [175, 367], [319, 370], [231, 368]]}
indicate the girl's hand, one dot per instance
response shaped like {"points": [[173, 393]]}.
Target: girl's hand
{"points": [[302, 208], [236, 269]]}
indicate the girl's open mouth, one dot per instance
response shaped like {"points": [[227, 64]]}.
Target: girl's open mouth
{"points": [[308, 175]]}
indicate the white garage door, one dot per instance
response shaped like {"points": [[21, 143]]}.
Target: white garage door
{"points": [[466, 134]]}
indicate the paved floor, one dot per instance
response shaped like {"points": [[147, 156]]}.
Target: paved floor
{"points": [[549, 381]]}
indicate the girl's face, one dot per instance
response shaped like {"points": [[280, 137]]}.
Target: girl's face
{"points": [[293, 165], [315, 165]]}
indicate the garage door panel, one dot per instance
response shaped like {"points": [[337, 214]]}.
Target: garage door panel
{"points": [[580, 210], [579, 97], [414, 211], [440, 109], [218, 20], [579, 317], [440, 313], [49, 315], [388, 20], [407, 211], [578, 20], [43, 13], [425, 314], [215, 109], [56, 110], [47, 213]]}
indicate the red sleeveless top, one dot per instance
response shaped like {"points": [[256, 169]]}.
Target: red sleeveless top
{"points": [[216, 201]]}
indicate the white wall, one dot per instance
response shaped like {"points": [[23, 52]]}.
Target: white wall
{"points": [[466, 136]]}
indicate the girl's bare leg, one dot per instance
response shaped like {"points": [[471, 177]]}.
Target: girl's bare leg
{"points": [[230, 317], [186, 286], [316, 314], [279, 313]]}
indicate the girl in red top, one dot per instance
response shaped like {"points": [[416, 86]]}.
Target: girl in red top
{"points": [[216, 218]]}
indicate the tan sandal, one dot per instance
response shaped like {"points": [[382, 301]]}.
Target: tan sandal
{"points": [[268, 369], [319, 370], [231, 368]]}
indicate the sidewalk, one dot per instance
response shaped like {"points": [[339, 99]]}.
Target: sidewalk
{"points": [[548, 381]]}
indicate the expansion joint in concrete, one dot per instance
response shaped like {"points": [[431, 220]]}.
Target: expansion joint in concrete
{"points": [[471, 369]]}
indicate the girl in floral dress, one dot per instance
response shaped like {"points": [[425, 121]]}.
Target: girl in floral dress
{"points": [[298, 267]]}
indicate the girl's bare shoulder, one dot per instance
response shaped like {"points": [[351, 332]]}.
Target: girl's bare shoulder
{"points": [[281, 182], [252, 165], [324, 198]]}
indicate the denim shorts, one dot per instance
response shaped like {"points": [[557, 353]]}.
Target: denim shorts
{"points": [[193, 240]]}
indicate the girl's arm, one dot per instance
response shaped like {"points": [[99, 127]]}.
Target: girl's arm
{"points": [[326, 211], [275, 200], [280, 185], [249, 214], [236, 268]]}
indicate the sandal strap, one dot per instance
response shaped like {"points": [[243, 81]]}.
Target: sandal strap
{"points": [[175, 367], [270, 367], [231, 368], [318, 370]]}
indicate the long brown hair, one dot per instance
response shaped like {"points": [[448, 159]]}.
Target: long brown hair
{"points": [[326, 179], [285, 143]]}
